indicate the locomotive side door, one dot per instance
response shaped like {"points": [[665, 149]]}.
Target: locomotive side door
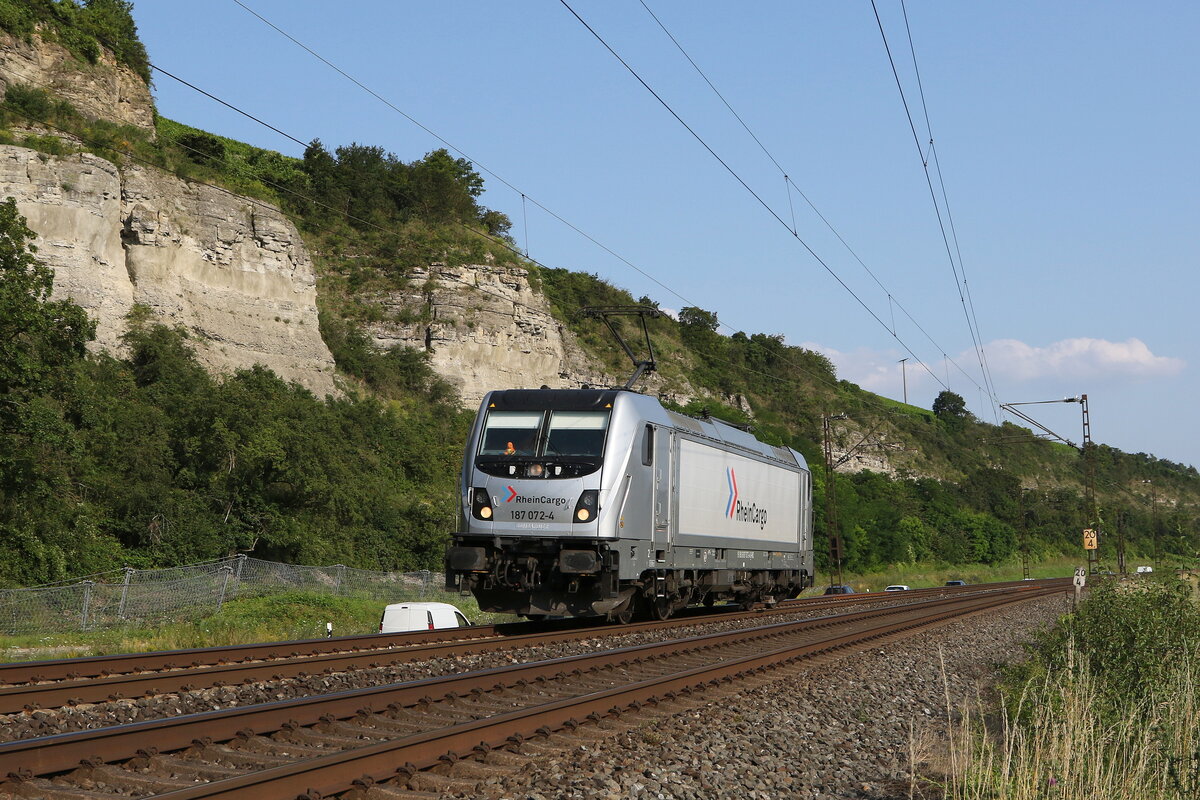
{"points": [[664, 445]]}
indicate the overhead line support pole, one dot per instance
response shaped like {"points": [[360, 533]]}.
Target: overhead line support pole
{"points": [[831, 521], [1089, 460]]}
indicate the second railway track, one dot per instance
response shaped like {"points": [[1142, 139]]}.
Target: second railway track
{"points": [[323, 745], [52, 684]]}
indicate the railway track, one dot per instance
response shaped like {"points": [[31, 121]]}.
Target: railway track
{"points": [[53, 684], [377, 742]]}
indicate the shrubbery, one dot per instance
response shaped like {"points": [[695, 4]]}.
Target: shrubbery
{"points": [[1107, 705], [151, 460], [81, 27]]}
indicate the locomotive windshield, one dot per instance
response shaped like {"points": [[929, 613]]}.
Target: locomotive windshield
{"points": [[547, 444], [576, 433], [509, 433]]}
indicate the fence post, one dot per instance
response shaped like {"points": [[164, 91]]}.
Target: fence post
{"points": [[237, 586], [87, 603], [124, 593], [228, 573], [341, 574], [425, 577]]}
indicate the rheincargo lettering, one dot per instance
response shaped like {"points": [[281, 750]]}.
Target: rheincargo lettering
{"points": [[543, 501], [751, 513]]}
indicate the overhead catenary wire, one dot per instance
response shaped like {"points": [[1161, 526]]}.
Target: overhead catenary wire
{"points": [[954, 266], [458, 150], [766, 206], [987, 371], [790, 184], [867, 399], [817, 377], [575, 228]]}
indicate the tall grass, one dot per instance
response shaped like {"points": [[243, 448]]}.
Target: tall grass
{"points": [[1065, 747], [1106, 708], [282, 617]]}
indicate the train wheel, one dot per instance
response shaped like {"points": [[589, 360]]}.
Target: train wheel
{"points": [[710, 600], [625, 616], [660, 607]]}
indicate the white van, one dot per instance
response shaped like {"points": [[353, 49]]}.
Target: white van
{"points": [[401, 617]]}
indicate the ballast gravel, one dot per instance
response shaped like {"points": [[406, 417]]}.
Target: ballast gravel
{"points": [[847, 728], [850, 728], [91, 716]]}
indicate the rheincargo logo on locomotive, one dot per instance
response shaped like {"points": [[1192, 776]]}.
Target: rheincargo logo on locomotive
{"points": [[735, 509], [513, 497]]}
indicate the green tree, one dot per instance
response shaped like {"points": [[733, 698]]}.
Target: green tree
{"points": [[948, 405], [698, 329], [446, 187], [37, 334]]}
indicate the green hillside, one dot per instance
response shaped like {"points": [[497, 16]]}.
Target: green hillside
{"points": [[150, 460]]}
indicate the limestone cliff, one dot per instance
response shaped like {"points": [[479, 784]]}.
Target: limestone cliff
{"points": [[485, 328], [234, 273], [105, 90]]}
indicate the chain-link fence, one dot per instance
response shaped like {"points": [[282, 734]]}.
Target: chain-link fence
{"points": [[139, 596]]}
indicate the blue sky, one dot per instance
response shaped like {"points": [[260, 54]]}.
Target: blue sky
{"points": [[1066, 134]]}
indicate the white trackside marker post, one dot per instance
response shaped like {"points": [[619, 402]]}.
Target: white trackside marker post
{"points": [[1080, 581]]}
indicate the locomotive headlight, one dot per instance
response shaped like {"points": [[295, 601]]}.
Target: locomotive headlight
{"points": [[588, 505], [481, 504]]}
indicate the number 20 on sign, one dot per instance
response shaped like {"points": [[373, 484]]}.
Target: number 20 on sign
{"points": [[1089, 539]]}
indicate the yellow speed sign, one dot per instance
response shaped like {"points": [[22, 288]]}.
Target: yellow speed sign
{"points": [[1089, 539]]}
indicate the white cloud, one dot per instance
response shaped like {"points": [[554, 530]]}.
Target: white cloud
{"points": [[1012, 360], [874, 370]]}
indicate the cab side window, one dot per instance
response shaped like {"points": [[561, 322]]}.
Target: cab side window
{"points": [[648, 446]]}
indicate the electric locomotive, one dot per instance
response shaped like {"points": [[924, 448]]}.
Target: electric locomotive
{"points": [[584, 502]]}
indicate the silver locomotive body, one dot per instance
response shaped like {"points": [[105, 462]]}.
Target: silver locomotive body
{"points": [[581, 502]]}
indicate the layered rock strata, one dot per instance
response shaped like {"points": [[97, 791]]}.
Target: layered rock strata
{"points": [[233, 272], [485, 327], [106, 90]]}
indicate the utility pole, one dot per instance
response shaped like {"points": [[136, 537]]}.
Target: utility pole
{"points": [[1089, 459], [1024, 544], [1121, 543], [1091, 524], [904, 379], [831, 522], [831, 516], [1157, 526]]}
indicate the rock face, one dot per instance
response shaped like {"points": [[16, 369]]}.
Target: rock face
{"points": [[74, 206], [231, 271], [486, 328], [106, 90]]}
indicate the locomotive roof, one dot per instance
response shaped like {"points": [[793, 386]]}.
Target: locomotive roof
{"points": [[598, 399], [557, 399]]}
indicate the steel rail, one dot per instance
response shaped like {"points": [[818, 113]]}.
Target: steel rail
{"points": [[61, 752], [22, 673], [337, 772], [100, 689]]}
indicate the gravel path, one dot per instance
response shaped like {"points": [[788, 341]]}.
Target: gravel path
{"points": [[844, 729]]}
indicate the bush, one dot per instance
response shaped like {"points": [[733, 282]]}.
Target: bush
{"points": [[1127, 638]]}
